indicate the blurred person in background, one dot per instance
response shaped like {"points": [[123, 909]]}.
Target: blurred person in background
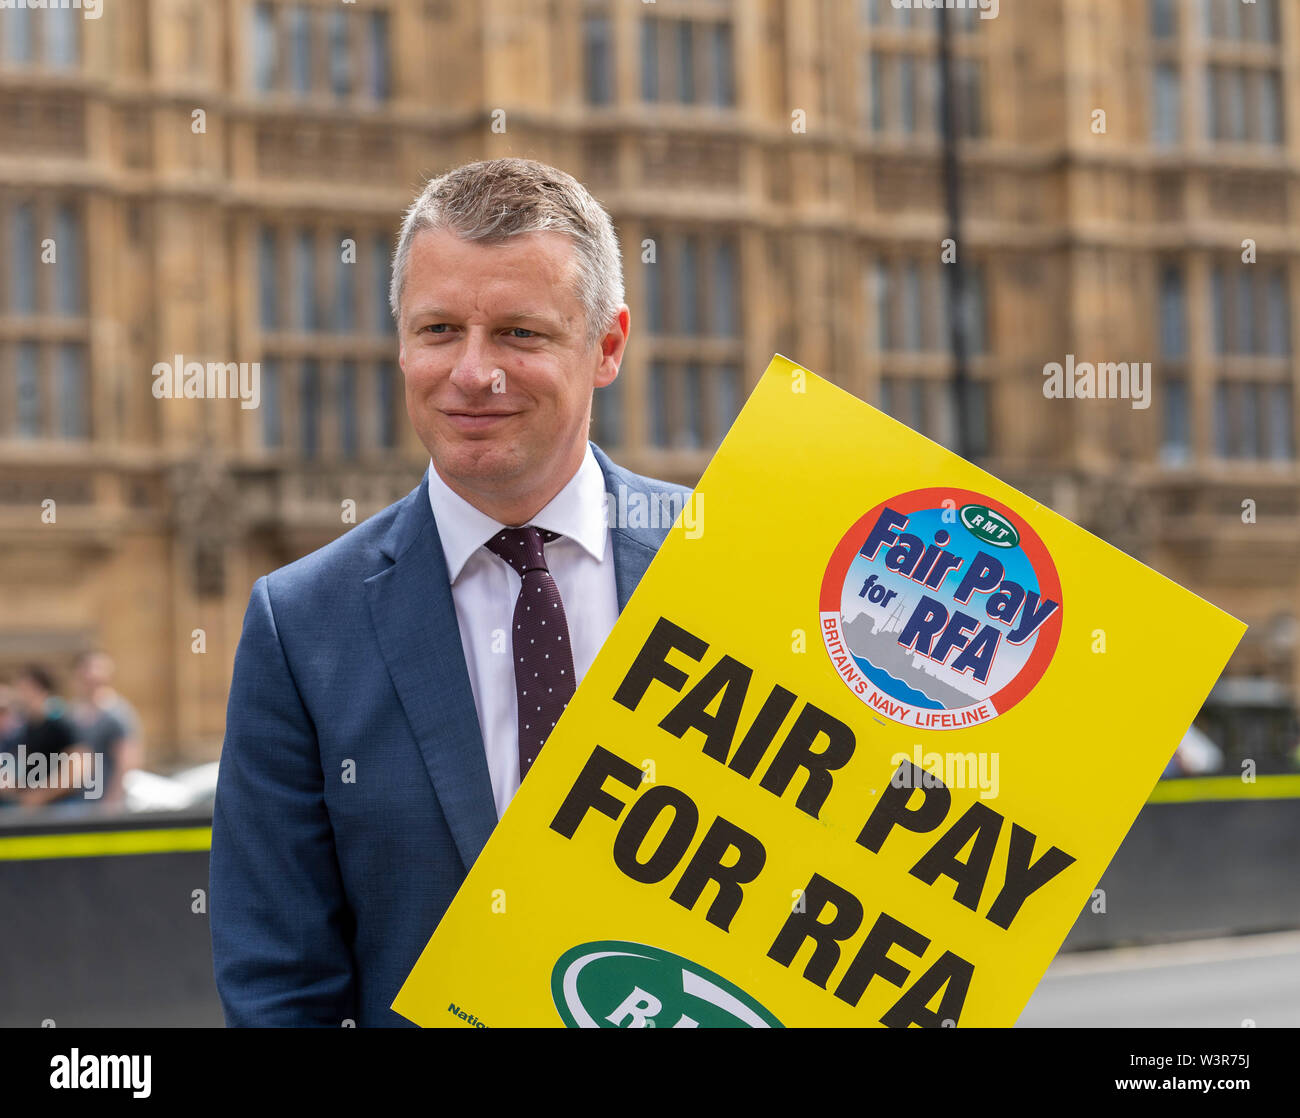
{"points": [[49, 731], [11, 728], [11, 723], [108, 724]]}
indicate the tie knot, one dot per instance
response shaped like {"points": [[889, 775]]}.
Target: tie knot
{"points": [[522, 547]]}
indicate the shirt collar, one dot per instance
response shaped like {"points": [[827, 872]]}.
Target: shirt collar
{"points": [[576, 511]]}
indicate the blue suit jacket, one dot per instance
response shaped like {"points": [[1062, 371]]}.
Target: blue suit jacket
{"points": [[353, 793]]}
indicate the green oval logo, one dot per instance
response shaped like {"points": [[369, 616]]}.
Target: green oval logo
{"points": [[613, 984], [990, 527]]}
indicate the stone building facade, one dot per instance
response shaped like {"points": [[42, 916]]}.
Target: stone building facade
{"points": [[221, 181]]}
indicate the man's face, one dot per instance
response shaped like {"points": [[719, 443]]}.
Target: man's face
{"points": [[499, 374], [90, 676], [30, 696]]}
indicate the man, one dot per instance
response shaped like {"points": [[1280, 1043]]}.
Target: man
{"points": [[390, 689], [11, 723], [108, 724], [58, 773]]}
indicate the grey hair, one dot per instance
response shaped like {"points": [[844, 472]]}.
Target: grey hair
{"points": [[495, 199]]}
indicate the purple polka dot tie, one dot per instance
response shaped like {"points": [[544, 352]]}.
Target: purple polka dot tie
{"points": [[543, 659]]}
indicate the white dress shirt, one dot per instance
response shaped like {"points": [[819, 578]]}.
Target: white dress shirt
{"points": [[484, 588]]}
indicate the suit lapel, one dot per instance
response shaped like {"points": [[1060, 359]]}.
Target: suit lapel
{"points": [[631, 558], [415, 621], [633, 548]]}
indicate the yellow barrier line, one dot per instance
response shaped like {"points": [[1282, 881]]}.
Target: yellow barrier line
{"points": [[1200, 788], [95, 844]]}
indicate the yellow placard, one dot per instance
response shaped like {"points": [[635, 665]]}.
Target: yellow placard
{"points": [[856, 752]]}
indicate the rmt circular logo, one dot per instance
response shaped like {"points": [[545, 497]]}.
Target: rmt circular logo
{"points": [[613, 984]]}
